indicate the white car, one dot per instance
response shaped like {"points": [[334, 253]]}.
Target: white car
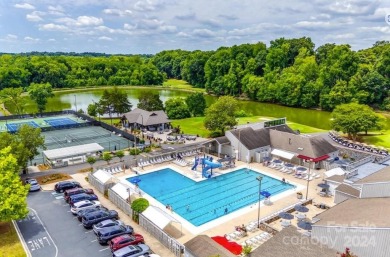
{"points": [[82, 205]]}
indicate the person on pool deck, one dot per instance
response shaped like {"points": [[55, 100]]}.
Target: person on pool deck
{"points": [[284, 180], [226, 210]]}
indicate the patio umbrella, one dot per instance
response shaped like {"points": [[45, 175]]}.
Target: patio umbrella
{"points": [[301, 208], [305, 224], [289, 165], [265, 194], [286, 216], [323, 185], [135, 180], [301, 169], [233, 247]]}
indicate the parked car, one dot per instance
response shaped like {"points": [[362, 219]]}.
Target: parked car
{"points": [[83, 205], [132, 251], [125, 240], [92, 218], [75, 191], [81, 197], [60, 187], [34, 185], [106, 234], [85, 211], [106, 224]]}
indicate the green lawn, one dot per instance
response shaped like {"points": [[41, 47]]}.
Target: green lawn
{"points": [[10, 245], [195, 125], [181, 84], [377, 138]]}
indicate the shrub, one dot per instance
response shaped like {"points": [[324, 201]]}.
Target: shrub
{"points": [[139, 205], [242, 113], [215, 134]]}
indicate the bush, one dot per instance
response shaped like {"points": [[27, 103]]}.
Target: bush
{"points": [[139, 205], [216, 134], [134, 151], [147, 149], [242, 113]]}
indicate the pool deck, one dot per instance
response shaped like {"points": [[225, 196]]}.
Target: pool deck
{"points": [[226, 224]]}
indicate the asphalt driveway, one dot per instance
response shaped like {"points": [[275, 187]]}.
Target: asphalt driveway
{"points": [[50, 229]]}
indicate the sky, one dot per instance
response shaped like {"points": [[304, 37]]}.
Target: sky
{"points": [[151, 26]]}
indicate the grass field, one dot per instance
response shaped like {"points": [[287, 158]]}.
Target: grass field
{"points": [[181, 84], [195, 125], [10, 245]]}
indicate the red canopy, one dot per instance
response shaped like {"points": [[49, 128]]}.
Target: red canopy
{"points": [[233, 247], [318, 159]]}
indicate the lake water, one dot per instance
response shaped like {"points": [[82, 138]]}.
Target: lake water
{"points": [[82, 98]]}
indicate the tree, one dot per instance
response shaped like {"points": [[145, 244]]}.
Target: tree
{"points": [[120, 101], [196, 104], [150, 101], [12, 193], [107, 157], [120, 154], [176, 108], [353, 118], [138, 206], [13, 96], [91, 160], [92, 109], [220, 115], [39, 93], [32, 139]]}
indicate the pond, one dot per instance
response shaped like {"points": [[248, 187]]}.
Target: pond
{"points": [[82, 98]]}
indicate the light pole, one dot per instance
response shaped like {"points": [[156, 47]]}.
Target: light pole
{"points": [[75, 102], [128, 190], [259, 178], [308, 179], [142, 120]]}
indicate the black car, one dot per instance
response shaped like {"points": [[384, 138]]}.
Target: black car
{"points": [[81, 197], [60, 187], [82, 212], [92, 218], [106, 234]]}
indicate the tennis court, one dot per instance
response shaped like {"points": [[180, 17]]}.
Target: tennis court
{"points": [[13, 127], [56, 122], [84, 135]]}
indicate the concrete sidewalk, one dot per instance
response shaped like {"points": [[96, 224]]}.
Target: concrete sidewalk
{"points": [[154, 244]]}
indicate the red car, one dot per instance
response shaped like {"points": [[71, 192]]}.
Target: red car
{"points": [[125, 240]]}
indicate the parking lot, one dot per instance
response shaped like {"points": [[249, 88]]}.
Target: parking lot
{"points": [[50, 229]]}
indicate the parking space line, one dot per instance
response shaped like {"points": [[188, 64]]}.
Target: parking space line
{"points": [[44, 227], [93, 240], [65, 205], [86, 232], [104, 249]]}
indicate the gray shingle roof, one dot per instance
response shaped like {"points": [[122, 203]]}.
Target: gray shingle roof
{"points": [[290, 243], [382, 175], [222, 140], [336, 178], [311, 146], [357, 212], [252, 139], [347, 189], [204, 246], [146, 118]]}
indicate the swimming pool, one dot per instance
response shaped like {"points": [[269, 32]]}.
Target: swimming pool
{"points": [[201, 202]]}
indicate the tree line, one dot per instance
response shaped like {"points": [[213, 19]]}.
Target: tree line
{"points": [[20, 70], [290, 72]]}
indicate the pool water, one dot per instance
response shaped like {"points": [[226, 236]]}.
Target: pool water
{"points": [[201, 202]]}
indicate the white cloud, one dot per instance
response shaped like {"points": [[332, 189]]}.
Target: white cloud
{"points": [[57, 8], [11, 37], [81, 21], [53, 27], [24, 6], [35, 16], [52, 40], [31, 39], [117, 12], [129, 26], [206, 33], [313, 24], [149, 24], [147, 5], [341, 36], [168, 29], [105, 38]]}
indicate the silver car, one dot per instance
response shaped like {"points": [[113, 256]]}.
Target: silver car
{"points": [[34, 185], [106, 224], [132, 251]]}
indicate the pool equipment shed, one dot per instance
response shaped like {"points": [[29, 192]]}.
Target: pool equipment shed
{"points": [[65, 156]]}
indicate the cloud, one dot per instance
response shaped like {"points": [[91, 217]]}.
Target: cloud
{"points": [[9, 38], [105, 38], [188, 16], [30, 39], [228, 17], [53, 27], [149, 24], [205, 33], [117, 12], [349, 7], [148, 5], [211, 23], [341, 36], [168, 29], [52, 40], [81, 21], [57, 10], [35, 16], [25, 6], [313, 24]]}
